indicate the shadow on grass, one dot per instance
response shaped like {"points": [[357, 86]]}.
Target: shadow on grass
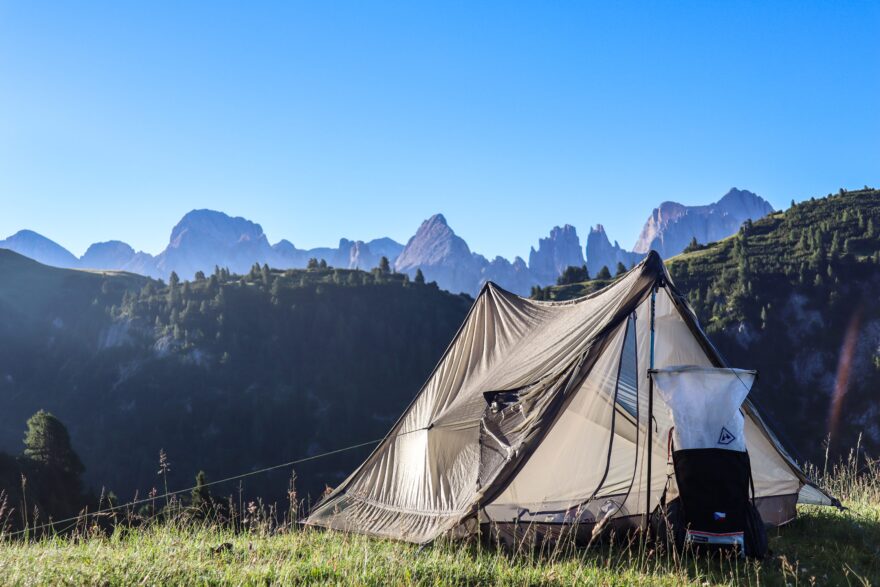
{"points": [[822, 546], [835, 547]]}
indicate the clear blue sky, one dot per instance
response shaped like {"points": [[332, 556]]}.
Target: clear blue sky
{"points": [[360, 119]]}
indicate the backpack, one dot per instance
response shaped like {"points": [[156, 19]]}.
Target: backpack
{"points": [[714, 509]]}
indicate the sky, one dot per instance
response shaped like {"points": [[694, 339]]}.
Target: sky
{"points": [[360, 119]]}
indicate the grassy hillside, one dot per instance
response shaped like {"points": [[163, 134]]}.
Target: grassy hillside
{"points": [[822, 547], [226, 373], [34, 297], [781, 296]]}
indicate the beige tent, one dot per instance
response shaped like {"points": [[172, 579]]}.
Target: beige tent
{"points": [[538, 414]]}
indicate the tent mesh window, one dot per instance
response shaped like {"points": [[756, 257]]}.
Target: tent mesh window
{"points": [[627, 393], [625, 415]]}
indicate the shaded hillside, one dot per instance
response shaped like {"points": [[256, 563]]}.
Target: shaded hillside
{"points": [[780, 296], [225, 373]]}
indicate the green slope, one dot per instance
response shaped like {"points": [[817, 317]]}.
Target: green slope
{"points": [[226, 374], [29, 289], [780, 296]]}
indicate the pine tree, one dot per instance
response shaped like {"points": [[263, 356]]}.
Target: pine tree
{"points": [[47, 442], [573, 274], [420, 277], [201, 497], [173, 279], [275, 291], [384, 266], [818, 256], [621, 269], [604, 273], [835, 245]]}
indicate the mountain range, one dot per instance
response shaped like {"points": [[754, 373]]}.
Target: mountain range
{"points": [[204, 239]]}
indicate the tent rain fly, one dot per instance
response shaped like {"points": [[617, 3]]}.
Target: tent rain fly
{"points": [[538, 412]]}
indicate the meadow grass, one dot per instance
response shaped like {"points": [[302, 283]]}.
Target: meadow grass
{"points": [[823, 546]]}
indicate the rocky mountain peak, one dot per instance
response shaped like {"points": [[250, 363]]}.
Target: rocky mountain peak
{"points": [[743, 201], [107, 255], [204, 238], [601, 253], [442, 255], [438, 219], [556, 252], [434, 243], [216, 227], [38, 247], [671, 226]]}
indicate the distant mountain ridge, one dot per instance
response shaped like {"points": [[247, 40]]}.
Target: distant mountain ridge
{"points": [[37, 247], [203, 239], [671, 226]]}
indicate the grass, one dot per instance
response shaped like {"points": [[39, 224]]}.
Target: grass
{"points": [[823, 546]]}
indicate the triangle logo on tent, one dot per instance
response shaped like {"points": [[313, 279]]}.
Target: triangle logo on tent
{"points": [[726, 437]]}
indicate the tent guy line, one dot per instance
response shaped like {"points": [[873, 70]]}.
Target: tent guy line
{"points": [[76, 519]]}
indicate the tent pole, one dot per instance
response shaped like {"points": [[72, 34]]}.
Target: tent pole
{"points": [[650, 434]]}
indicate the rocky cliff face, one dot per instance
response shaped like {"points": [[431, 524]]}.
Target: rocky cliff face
{"points": [[205, 238], [442, 256], [515, 277], [601, 253], [560, 250], [671, 226]]}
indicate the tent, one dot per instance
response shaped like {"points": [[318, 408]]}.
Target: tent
{"points": [[543, 414]]}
